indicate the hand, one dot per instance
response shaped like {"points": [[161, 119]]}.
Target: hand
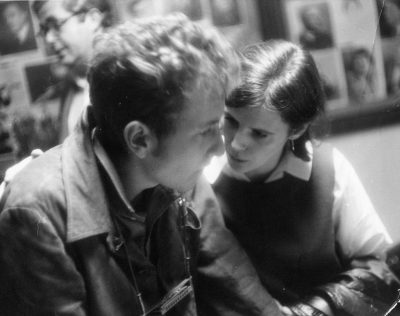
{"points": [[12, 171]]}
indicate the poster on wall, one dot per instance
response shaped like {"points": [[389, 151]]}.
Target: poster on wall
{"points": [[132, 9], [13, 98], [391, 58], [238, 20], [344, 33], [310, 23], [389, 22], [331, 71], [225, 12], [17, 33]]}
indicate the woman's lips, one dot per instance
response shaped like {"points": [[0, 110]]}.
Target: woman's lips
{"points": [[235, 159]]}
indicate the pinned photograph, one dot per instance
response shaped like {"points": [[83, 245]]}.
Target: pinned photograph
{"points": [[359, 63], [310, 24], [191, 8], [389, 22], [16, 29], [225, 12]]}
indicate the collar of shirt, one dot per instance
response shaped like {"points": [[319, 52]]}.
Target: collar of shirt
{"points": [[161, 197], [108, 166], [289, 163]]}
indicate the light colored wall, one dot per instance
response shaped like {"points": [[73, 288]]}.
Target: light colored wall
{"points": [[375, 155]]}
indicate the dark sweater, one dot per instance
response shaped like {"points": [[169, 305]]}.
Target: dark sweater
{"points": [[286, 227]]}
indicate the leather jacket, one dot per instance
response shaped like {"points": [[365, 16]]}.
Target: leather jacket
{"points": [[59, 247]]}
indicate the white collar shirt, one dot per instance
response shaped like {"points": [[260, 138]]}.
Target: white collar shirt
{"points": [[359, 229]]}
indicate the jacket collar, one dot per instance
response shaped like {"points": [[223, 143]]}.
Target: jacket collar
{"points": [[88, 211], [87, 206]]}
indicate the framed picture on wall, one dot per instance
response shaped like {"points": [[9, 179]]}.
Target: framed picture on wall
{"points": [[310, 23], [225, 12], [17, 33], [356, 44], [43, 80]]}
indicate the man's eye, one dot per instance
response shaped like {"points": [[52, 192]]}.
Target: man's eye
{"points": [[210, 131], [229, 120], [259, 134]]}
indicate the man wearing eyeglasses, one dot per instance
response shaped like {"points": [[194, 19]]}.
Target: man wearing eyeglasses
{"points": [[104, 224], [68, 27]]}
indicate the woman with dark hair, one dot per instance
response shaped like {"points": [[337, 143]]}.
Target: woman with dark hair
{"points": [[298, 208]]}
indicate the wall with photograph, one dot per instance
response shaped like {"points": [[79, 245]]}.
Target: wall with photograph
{"points": [[356, 44], [31, 80], [344, 39], [18, 44], [238, 20]]}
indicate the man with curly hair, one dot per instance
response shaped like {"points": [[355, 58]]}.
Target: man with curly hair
{"points": [[100, 225]]}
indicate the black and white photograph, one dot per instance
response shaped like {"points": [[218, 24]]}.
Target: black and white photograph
{"points": [[316, 30], [389, 22], [191, 8], [16, 29], [391, 55], [331, 71], [199, 158], [225, 12], [310, 23]]}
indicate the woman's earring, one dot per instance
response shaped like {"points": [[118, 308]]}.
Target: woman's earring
{"points": [[292, 145]]}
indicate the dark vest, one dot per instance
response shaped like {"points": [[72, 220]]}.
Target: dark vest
{"points": [[286, 227]]}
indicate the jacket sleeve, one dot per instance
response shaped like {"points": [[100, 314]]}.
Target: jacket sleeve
{"points": [[37, 275], [227, 282], [367, 289]]}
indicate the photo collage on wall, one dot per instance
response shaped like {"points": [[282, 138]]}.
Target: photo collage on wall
{"points": [[349, 50], [19, 46], [31, 78], [236, 19]]}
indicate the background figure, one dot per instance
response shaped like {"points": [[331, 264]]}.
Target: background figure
{"points": [[17, 34], [297, 207], [389, 22], [316, 33], [60, 22], [360, 76]]}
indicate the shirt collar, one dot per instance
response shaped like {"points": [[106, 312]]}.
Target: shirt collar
{"points": [[87, 204], [109, 168], [289, 164]]}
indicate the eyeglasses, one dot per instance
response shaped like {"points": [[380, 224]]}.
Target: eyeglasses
{"points": [[52, 24]]}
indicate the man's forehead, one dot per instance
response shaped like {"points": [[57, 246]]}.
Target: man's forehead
{"points": [[203, 108]]}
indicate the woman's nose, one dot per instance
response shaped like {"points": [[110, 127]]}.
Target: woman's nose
{"points": [[239, 141]]}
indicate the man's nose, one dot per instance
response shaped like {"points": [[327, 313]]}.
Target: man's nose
{"points": [[218, 147]]}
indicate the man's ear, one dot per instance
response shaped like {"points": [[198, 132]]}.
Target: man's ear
{"points": [[296, 133], [139, 139]]}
